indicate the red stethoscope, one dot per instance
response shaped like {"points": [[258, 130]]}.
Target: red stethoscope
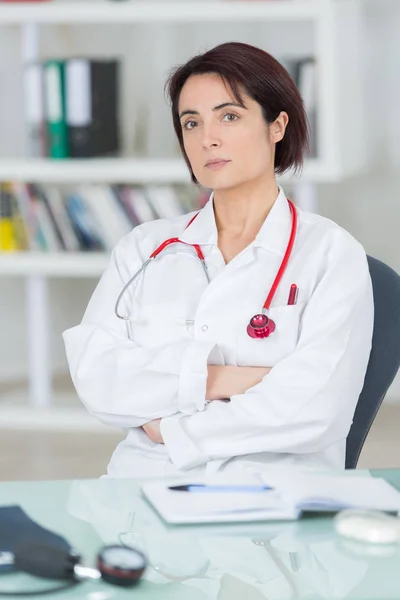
{"points": [[260, 326]]}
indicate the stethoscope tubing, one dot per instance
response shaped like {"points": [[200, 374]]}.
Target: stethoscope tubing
{"points": [[201, 257]]}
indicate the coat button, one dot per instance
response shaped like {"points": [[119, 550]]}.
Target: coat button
{"points": [[204, 328]]}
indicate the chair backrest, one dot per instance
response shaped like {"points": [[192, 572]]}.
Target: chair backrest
{"points": [[384, 361]]}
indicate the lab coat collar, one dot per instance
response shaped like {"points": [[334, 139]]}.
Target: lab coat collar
{"points": [[275, 231], [273, 234], [203, 230]]}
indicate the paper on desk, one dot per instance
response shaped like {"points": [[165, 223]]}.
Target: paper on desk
{"points": [[323, 492], [292, 493], [190, 507]]}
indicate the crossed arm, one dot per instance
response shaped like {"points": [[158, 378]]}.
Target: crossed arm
{"points": [[222, 383]]}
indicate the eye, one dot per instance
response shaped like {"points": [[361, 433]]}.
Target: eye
{"points": [[235, 117], [186, 125]]}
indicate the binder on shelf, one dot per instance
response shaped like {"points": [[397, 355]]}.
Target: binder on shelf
{"points": [[34, 110], [55, 109], [92, 89]]}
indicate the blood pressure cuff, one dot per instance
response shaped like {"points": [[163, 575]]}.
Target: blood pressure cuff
{"points": [[15, 526]]}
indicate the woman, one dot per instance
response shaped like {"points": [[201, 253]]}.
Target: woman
{"points": [[185, 375]]}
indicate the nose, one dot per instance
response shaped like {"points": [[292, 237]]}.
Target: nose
{"points": [[210, 136]]}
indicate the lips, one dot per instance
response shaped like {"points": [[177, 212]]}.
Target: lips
{"points": [[217, 164], [215, 161]]}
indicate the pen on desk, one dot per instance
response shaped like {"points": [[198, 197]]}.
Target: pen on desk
{"points": [[203, 488], [294, 291]]}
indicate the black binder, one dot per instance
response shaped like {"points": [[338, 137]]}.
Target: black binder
{"points": [[92, 94]]}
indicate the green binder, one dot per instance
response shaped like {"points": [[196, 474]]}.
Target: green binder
{"points": [[55, 109]]}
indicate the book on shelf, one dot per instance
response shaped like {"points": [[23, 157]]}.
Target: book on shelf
{"points": [[164, 201], [8, 234], [112, 221], [62, 223], [124, 196], [72, 108], [139, 204], [47, 218], [25, 210], [84, 224]]}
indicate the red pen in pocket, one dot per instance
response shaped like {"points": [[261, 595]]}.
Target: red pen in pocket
{"points": [[294, 291]]}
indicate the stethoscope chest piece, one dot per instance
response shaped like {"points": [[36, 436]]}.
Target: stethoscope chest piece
{"points": [[260, 326]]}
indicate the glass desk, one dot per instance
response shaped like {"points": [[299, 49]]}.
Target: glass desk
{"points": [[274, 561]]}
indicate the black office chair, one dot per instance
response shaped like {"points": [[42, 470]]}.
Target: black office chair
{"points": [[384, 361]]}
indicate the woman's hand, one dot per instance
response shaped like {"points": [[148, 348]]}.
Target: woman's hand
{"points": [[226, 381], [152, 428]]}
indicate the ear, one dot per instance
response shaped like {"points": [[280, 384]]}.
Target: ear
{"points": [[278, 127]]}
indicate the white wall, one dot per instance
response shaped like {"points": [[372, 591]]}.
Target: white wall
{"points": [[367, 205]]}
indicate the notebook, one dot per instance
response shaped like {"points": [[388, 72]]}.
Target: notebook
{"points": [[287, 499]]}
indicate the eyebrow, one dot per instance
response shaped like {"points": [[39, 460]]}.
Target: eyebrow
{"points": [[219, 107]]}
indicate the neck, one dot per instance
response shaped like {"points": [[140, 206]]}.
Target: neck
{"points": [[241, 211]]}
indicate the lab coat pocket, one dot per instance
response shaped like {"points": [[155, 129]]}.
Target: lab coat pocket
{"points": [[267, 352]]}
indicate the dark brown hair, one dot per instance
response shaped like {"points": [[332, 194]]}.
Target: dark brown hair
{"points": [[264, 79]]}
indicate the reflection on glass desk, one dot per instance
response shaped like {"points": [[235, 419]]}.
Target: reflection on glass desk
{"points": [[302, 559]]}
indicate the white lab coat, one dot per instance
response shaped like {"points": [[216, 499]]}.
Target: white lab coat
{"points": [[128, 373]]}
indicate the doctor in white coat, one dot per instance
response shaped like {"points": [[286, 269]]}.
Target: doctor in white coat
{"points": [[198, 384]]}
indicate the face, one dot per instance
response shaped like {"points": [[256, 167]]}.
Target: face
{"points": [[215, 126]]}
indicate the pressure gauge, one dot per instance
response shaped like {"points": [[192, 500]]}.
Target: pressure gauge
{"points": [[121, 565]]}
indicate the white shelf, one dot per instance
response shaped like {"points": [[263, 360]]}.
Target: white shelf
{"points": [[68, 264], [113, 170], [146, 10], [124, 170]]}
